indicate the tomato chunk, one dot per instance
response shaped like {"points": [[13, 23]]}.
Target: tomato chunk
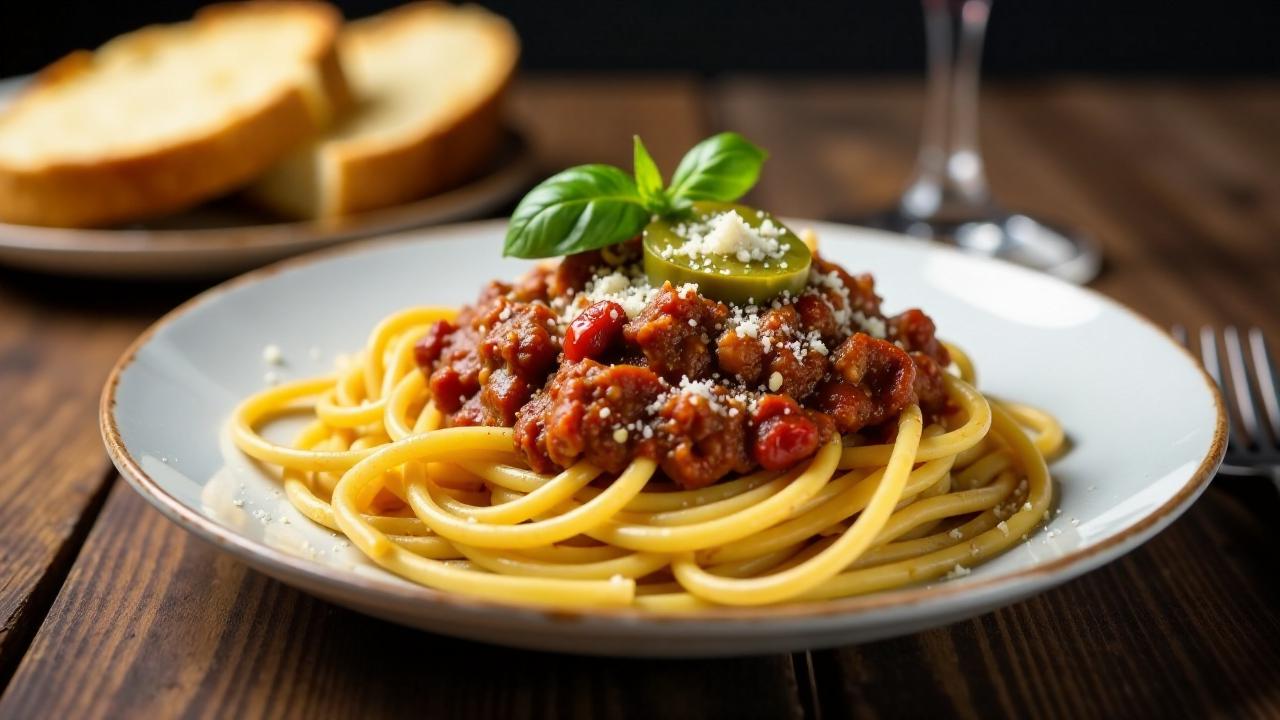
{"points": [[784, 440], [594, 331]]}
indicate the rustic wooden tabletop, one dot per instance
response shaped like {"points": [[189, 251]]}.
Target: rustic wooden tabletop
{"points": [[107, 609]]}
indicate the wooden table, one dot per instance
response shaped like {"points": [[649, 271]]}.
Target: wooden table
{"points": [[107, 609]]}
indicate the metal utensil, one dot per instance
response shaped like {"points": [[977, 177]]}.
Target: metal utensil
{"points": [[1248, 382]]}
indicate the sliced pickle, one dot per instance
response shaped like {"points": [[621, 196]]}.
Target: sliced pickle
{"points": [[727, 279]]}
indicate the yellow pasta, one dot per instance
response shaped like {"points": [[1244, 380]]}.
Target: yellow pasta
{"points": [[456, 508], [460, 509]]}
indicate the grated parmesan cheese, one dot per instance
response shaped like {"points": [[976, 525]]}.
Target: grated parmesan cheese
{"points": [[728, 234], [630, 290], [272, 355]]}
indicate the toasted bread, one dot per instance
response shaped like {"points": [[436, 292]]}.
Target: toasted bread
{"points": [[427, 81], [169, 115]]}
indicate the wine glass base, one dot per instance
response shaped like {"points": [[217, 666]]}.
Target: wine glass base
{"points": [[1015, 237]]}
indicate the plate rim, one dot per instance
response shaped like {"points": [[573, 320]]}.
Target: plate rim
{"points": [[253, 552]]}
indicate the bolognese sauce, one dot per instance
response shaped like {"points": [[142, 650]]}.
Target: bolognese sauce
{"points": [[588, 361]]}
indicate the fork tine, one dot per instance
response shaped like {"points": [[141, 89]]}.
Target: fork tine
{"points": [[1209, 355], [1238, 375], [1265, 370], [1180, 334]]}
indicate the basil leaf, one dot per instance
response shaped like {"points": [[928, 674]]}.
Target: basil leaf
{"points": [[582, 208], [648, 178], [723, 167]]}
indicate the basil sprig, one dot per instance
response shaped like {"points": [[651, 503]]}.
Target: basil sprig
{"points": [[648, 178], [723, 167], [593, 206]]}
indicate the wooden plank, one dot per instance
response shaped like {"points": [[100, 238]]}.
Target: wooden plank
{"points": [[1183, 197], [1149, 169], [1183, 627], [836, 149], [153, 623], [58, 338]]}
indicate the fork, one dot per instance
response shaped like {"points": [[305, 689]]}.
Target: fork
{"points": [[1248, 387]]}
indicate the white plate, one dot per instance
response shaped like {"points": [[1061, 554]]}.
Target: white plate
{"points": [[1146, 426], [228, 236]]}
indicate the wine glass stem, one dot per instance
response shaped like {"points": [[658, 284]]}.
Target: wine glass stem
{"points": [[949, 181]]}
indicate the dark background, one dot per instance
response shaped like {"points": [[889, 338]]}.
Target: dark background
{"points": [[1149, 37]]}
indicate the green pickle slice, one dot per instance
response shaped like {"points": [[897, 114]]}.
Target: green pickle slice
{"points": [[744, 282]]}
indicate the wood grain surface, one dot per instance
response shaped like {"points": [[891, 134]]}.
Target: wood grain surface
{"points": [[190, 632], [57, 342], [119, 613]]}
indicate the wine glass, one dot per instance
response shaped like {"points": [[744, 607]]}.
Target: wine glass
{"points": [[948, 198]]}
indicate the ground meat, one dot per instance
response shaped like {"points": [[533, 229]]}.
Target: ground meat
{"points": [[800, 373], [930, 391], [471, 412], [818, 316], [572, 274], [456, 376], [702, 444], [492, 296], [673, 331], [861, 288], [780, 322], [534, 285], [531, 431], [523, 341], [775, 349], [579, 414], [600, 413], [500, 352], [916, 332], [740, 356], [503, 394], [875, 381], [749, 357], [431, 346]]}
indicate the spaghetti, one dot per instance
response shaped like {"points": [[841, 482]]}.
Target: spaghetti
{"points": [[470, 508]]}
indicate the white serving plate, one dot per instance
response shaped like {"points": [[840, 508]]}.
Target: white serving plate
{"points": [[228, 236], [1145, 424]]}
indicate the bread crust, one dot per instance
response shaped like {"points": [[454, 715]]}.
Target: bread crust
{"points": [[362, 175], [430, 164], [133, 185]]}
